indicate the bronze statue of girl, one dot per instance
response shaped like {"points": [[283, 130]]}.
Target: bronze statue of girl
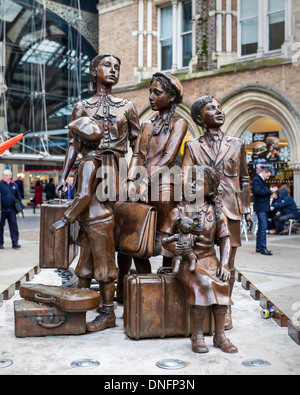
{"points": [[208, 284], [156, 149]]}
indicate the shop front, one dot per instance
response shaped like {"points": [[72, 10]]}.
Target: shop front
{"points": [[268, 146], [270, 125]]}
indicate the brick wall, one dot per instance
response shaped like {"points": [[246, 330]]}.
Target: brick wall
{"points": [[282, 78], [115, 36], [205, 36]]}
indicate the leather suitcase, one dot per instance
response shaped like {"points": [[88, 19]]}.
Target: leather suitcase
{"points": [[57, 251], [71, 300], [155, 306], [135, 229], [33, 320]]}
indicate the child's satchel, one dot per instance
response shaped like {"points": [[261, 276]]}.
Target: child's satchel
{"points": [[135, 229]]}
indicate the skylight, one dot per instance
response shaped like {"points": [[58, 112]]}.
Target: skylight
{"points": [[9, 10], [42, 53]]}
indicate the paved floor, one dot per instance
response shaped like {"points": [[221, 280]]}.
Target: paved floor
{"points": [[278, 277]]}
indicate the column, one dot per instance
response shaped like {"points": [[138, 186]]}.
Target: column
{"points": [[194, 23], [149, 34], [219, 27], [260, 50], [228, 26], [175, 34], [288, 42], [141, 35]]}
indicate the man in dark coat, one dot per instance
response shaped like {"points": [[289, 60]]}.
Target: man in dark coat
{"points": [[286, 209], [262, 198], [50, 190], [8, 211]]}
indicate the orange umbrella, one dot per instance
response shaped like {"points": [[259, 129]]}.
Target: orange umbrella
{"points": [[9, 143]]}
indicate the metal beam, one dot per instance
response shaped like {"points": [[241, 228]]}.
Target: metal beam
{"points": [[32, 159]]}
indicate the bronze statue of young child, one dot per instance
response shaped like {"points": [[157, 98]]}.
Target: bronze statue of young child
{"points": [[208, 284]]}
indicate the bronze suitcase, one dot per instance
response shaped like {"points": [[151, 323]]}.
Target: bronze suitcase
{"points": [[155, 306], [57, 251], [34, 319], [135, 229], [71, 300]]}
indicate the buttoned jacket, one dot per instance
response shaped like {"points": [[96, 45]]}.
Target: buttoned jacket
{"points": [[231, 163]]}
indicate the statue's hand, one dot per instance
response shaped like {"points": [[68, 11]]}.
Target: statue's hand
{"points": [[144, 192], [57, 226], [223, 274], [250, 222], [60, 189]]}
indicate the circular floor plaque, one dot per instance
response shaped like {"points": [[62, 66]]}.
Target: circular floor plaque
{"points": [[256, 363], [85, 364], [5, 363], [171, 364]]}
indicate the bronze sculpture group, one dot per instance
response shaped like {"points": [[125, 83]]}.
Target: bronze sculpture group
{"points": [[186, 232]]}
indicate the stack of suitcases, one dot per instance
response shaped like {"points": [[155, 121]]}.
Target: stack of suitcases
{"points": [[52, 310]]}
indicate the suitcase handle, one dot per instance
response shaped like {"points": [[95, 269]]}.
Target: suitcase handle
{"points": [[38, 298], [165, 270], [39, 321]]}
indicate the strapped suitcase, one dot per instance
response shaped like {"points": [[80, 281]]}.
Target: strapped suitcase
{"points": [[33, 320], [71, 300], [135, 229], [155, 306], [57, 251]]}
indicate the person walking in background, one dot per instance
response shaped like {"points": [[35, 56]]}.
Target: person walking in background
{"points": [[262, 198], [9, 193], [50, 190], [20, 185], [38, 195]]}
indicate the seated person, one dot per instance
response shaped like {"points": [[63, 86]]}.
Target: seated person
{"points": [[285, 209], [271, 214]]}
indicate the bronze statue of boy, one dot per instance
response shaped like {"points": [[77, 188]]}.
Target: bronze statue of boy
{"points": [[97, 256], [228, 156]]}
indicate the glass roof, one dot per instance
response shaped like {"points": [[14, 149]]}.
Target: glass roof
{"points": [[46, 66], [9, 10]]}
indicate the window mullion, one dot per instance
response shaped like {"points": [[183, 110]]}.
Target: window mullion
{"points": [[179, 35], [261, 27]]}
